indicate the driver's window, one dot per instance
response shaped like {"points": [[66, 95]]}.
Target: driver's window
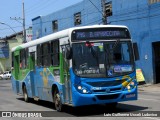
{"points": [[65, 61]]}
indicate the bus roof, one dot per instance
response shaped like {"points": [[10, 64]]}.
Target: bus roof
{"points": [[61, 34]]}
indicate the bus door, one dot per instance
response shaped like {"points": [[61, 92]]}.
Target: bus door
{"points": [[66, 75], [16, 68], [32, 74]]}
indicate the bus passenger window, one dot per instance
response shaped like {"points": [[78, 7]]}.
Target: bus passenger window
{"points": [[12, 59], [55, 53], [39, 55], [22, 59], [26, 57], [45, 54]]}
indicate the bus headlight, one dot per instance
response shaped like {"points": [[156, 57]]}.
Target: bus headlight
{"points": [[128, 87], [82, 89], [79, 87], [131, 85]]}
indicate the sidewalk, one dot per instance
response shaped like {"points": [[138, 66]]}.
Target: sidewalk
{"points": [[149, 87]]}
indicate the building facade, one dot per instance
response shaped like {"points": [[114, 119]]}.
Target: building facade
{"points": [[5, 54], [142, 17]]}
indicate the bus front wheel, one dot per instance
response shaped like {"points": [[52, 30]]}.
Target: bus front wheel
{"points": [[25, 94], [57, 101]]}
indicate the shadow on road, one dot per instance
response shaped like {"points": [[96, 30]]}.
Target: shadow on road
{"points": [[91, 110]]}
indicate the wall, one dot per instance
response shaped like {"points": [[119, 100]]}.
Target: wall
{"points": [[5, 63], [142, 19], [89, 14]]}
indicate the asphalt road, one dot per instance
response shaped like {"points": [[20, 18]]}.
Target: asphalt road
{"points": [[148, 101]]}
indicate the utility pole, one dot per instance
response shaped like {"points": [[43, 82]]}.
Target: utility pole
{"points": [[104, 19], [23, 14], [23, 23]]}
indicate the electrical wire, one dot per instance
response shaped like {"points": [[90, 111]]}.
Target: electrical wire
{"points": [[124, 16], [96, 7]]}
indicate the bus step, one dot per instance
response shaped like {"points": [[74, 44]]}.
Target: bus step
{"points": [[20, 94], [36, 98], [69, 104]]}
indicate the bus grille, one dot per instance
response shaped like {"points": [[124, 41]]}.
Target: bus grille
{"points": [[107, 97], [105, 83], [111, 90]]}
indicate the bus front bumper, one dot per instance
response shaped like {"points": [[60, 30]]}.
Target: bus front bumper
{"points": [[80, 99]]}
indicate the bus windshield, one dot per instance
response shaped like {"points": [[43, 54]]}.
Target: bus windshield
{"points": [[102, 59]]}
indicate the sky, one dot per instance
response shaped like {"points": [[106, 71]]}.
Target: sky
{"points": [[33, 8]]}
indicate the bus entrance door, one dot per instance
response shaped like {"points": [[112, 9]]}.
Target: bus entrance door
{"points": [[17, 65], [67, 82], [32, 68]]}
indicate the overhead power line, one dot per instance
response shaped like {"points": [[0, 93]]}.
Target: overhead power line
{"points": [[96, 7]]}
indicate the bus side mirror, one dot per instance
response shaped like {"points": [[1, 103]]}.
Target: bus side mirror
{"points": [[68, 52], [136, 53]]}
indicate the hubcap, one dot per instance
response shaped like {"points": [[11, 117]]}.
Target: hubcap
{"points": [[25, 95], [58, 102]]}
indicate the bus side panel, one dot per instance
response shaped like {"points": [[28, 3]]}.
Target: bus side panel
{"points": [[44, 81], [17, 85], [28, 82], [37, 82], [41, 78], [14, 87]]}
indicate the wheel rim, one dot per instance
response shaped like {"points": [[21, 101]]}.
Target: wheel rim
{"points": [[58, 104], [25, 95]]}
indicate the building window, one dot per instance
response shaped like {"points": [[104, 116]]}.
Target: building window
{"points": [[108, 9], [77, 18], [153, 1], [55, 53], [55, 25]]}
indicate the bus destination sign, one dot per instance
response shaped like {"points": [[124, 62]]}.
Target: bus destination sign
{"points": [[94, 34]]}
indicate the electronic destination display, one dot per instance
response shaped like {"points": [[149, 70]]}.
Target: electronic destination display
{"points": [[100, 33]]}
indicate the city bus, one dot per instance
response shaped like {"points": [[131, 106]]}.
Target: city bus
{"points": [[78, 66]]}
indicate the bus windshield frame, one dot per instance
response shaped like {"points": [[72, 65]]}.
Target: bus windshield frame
{"points": [[102, 59]]}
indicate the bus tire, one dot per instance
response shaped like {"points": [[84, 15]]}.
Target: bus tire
{"points": [[25, 94], [57, 101]]}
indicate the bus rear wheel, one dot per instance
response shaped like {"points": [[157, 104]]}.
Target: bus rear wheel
{"points": [[25, 94], [57, 101]]}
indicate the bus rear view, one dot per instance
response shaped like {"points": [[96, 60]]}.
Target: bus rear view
{"points": [[103, 68]]}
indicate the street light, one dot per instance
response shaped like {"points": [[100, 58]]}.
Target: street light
{"points": [[8, 26]]}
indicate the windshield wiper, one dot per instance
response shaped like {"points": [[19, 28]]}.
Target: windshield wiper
{"points": [[93, 52], [115, 44], [108, 51]]}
